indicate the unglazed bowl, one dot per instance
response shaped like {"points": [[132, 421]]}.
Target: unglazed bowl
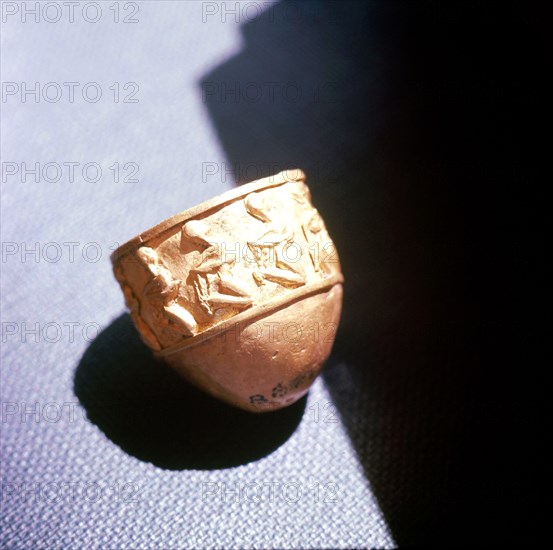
{"points": [[241, 294]]}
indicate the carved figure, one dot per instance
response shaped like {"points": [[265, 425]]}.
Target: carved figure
{"points": [[242, 325], [163, 293], [213, 279], [269, 249]]}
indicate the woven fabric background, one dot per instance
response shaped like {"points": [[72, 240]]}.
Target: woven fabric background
{"points": [[400, 115]]}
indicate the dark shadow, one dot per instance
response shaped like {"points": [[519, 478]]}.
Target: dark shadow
{"points": [[153, 414], [401, 115]]}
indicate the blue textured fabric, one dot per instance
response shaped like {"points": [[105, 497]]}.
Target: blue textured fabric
{"points": [[400, 115], [121, 453]]}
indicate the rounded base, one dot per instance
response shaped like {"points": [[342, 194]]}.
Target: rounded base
{"points": [[269, 361]]}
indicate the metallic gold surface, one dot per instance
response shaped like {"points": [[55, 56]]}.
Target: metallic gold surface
{"points": [[241, 294]]}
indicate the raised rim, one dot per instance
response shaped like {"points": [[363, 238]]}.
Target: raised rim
{"points": [[256, 311], [281, 178]]}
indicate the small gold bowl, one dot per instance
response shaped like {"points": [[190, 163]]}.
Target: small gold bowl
{"points": [[241, 294]]}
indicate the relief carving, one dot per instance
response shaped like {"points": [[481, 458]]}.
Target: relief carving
{"points": [[162, 293], [133, 305], [270, 248], [215, 285], [213, 290], [314, 230]]}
